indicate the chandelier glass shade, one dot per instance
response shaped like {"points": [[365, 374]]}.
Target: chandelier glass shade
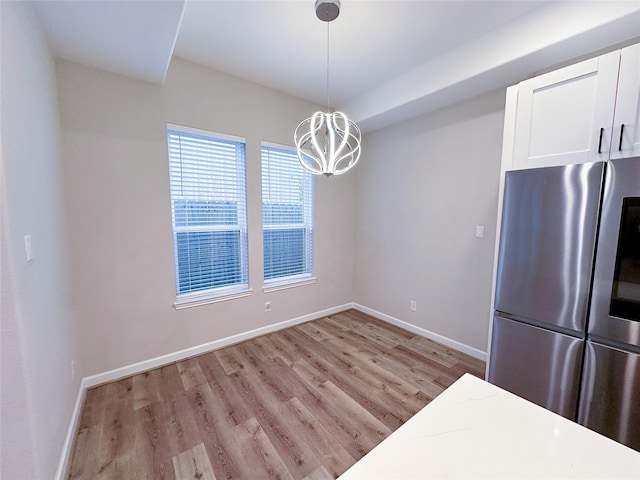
{"points": [[328, 143]]}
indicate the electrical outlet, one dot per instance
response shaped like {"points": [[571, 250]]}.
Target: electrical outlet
{"points": [[480, 231], [267, 306], [413, 306], [73, 369]]}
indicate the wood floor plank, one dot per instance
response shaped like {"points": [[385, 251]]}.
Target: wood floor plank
{"points": [[266, 374], [336, 367], [193, 464], [334, 412], [289, 353], [272, 347], [438, 353], [84, 461], [264, 404], [305, 381], [260, 458], [229, 363], [355, 316], [230, 401], [334, 457], [426, 390], [423, 361], [376, 387], [401, 396], [94, 404], [376, 331], [367, 422], [261, 348], [190, 373], [320, 473], [305, 402], [178, 418], [182, 424], [349, 340], [171, 384], [151, 443], [370, 333], [337, 318], [468, 364], [216, 432], [117, 440], [146, 388], [315, 331]]}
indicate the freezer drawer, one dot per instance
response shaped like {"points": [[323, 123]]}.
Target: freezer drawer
{"points": [[539, 365], [547, 241], [610, 398]]}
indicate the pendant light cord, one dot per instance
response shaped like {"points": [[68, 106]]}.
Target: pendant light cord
{"points": [[328, 108]]}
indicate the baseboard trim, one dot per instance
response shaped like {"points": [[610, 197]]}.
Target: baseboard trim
{"points": [[65, 458], [461, 347], [162, 360]]}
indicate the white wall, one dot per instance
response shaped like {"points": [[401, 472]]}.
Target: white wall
{"points": [[117, 194], [38, 327], [420, 192]]}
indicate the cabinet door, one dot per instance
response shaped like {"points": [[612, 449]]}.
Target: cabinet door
{"points": [[626, 124], [566, 116]]}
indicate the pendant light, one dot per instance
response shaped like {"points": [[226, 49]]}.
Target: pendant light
{"points": [[328, 143]]}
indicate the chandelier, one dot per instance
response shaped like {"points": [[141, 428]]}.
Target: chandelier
{"points": [[327, 143]]}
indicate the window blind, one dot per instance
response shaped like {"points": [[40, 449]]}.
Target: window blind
{"points": [[287, 216], [209, 211]]}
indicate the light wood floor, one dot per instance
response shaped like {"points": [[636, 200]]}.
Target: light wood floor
{"points": [[305, 403]]}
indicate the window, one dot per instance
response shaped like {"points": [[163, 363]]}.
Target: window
{"points": [[287, 217], [209, 212]]}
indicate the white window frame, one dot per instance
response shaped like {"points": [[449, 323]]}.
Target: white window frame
{"points": [[297, 280], [226, 292]]}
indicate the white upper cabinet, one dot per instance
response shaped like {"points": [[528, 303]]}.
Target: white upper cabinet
{"points": [[566, 116], [626, 123]]}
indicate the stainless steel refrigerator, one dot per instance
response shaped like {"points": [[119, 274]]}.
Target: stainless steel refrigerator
{"points": [[566, 330]]}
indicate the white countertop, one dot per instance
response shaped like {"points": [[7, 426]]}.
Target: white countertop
{"points": [[477, 430]]}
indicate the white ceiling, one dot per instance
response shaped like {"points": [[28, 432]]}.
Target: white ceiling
{"points": [[389, 60]]}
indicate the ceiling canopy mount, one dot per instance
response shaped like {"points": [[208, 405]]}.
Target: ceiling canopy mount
{"points": [[327, 10]]}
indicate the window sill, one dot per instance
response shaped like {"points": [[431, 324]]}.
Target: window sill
{"points": [[274, 287], [197, 300]]}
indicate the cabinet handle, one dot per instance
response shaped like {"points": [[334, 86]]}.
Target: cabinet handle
{"points": [[600, 141], [621, 131]]}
